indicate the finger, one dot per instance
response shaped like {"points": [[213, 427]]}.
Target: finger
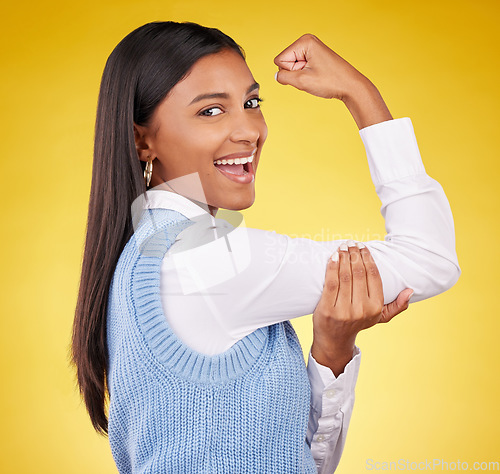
{"points": [[289, 77], [373, 280], [292, 64], [345, 278], [331, 286], [294, 57], [359, 284], [397, 306]]}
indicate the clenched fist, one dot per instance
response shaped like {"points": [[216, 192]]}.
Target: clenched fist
{"points": [[311, 66]]}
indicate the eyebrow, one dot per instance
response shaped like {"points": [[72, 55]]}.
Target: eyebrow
{"points": [[221, 95]]}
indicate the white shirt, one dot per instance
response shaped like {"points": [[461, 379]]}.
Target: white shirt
{"points": [[220, 280]]}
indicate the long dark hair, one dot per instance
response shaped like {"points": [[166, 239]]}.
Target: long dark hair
{"points": [[138, 75]]}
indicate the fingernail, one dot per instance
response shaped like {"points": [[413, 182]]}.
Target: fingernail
{"points": [[360, 245], [408, 299], [343, 247], [351, 243], [276, 76], [335, 257]]}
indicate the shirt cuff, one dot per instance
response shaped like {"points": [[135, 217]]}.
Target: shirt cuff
{"points": [[392, 150], [324, 383]]}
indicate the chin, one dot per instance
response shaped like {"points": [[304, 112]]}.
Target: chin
{"points": [[238, 203]]}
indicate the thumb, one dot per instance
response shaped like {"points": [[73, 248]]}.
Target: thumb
{"points": [[397, 306]]}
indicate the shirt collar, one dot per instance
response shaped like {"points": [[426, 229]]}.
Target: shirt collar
{"points": [[161, 198]]}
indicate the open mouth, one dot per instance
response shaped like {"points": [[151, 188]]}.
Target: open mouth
{"points": [[238, 166], [240, 170]]}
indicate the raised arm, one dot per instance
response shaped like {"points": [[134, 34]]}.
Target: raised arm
{"points": [[311, 66], [419, 249]]}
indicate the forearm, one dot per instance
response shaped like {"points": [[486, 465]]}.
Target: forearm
{"points": [[365, 103]]}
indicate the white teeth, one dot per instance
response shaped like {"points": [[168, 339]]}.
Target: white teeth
{"points": [[236, 161]]}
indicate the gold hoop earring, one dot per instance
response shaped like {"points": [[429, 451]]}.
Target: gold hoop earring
{"points": [[148, 171]]}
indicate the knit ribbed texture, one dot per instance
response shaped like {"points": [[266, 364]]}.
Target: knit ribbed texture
{"points": [[175, 410]]}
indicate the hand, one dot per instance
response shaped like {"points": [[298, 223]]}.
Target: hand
{"points": [[352, 300], [311, 66]]}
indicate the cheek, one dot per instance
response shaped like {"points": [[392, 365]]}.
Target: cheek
{"points": [[187, 145], [205, 144]]}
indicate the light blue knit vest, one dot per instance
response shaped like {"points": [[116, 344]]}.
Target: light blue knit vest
{"points": [[175, 410]]}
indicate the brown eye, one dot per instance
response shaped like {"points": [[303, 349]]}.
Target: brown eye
{"points": [[253, 103], [211, 112]]}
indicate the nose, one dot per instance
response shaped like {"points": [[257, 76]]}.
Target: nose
{"points": [[247, 126]]}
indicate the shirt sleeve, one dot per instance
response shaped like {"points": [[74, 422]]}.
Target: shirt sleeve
{"points": [[332, 402], [250, 278]]}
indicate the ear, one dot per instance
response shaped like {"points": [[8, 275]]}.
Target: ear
{"points": [[144, 151]]}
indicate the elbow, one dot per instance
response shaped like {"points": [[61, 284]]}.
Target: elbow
{"points": [[435, 281], [443, 275], [440, 268], [438, 273]]}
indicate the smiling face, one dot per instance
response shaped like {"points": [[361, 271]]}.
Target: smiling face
{"points": [[212, 114]]}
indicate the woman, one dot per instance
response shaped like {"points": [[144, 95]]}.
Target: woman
{"points": [[191, 337]]}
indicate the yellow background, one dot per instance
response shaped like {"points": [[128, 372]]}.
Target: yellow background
{"points": [[429, 382]]}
